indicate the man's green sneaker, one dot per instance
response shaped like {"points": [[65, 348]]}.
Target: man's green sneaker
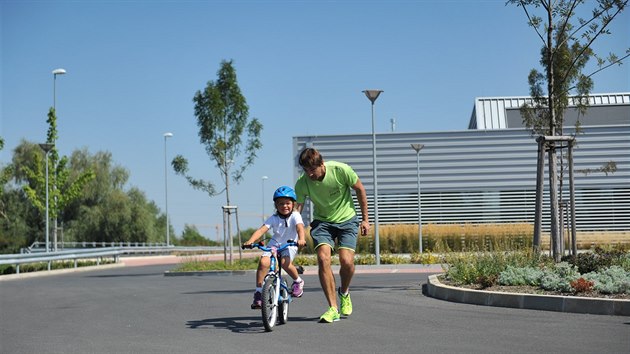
{"points": [[346, 303], [330, 316]]}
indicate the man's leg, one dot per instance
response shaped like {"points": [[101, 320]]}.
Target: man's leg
{"points": [[347, 245], [346, 269], [326, 276]]}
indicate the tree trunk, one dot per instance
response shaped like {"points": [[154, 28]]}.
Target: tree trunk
{"points": [[229, 211], [553, 170], [540, 185], [553, 196]]}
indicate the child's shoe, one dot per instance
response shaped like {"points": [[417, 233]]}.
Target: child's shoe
{"points": [[298, 288], [257, 304]]}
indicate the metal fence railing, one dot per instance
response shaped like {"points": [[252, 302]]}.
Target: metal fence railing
{"points": [[40, 246], [95, 253]]}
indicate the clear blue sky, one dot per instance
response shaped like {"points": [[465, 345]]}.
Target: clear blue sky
{"points": [[134, 67]]}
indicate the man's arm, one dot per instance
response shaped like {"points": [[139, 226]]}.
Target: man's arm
{"points": [[362, 198]]}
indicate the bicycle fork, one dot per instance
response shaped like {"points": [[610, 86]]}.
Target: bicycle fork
{"points": [[278, 284]]}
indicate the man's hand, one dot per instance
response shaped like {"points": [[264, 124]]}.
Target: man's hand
{"points": [[365, 227]]}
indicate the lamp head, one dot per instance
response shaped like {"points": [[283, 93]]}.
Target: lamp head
{"points": [[168, 135], [417, 147], [59, 71], [372, 95], [46, 147]]}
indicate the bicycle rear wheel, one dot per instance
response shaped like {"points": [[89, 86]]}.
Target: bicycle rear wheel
{"points": [[269, 303]]}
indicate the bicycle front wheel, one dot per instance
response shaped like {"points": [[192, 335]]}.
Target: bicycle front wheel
{"points": [[269, 303], [284, 301]]}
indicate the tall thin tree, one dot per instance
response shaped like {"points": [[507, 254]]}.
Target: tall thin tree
{"points": [[223, 119], [566, 50], [67, 188]]}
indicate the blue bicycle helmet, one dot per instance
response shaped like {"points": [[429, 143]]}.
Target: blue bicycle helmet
{"points": [[284, 192]]}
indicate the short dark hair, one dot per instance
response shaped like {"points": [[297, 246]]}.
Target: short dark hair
{"points": [[310, 157]]}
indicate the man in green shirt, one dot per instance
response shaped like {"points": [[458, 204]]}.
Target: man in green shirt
{"points": [[328, 185]]}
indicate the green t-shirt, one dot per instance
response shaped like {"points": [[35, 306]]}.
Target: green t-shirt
{"points": [[332, 197]]}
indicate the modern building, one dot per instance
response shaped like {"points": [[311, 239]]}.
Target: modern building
{"points": [[487, 173]]}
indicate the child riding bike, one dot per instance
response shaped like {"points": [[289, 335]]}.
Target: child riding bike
{"points": [[286, 224]]}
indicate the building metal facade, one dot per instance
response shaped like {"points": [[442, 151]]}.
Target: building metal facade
{"points": [[487, 174]]}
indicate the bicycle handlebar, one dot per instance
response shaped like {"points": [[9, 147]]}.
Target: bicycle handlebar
{"points": [[262, 246]]}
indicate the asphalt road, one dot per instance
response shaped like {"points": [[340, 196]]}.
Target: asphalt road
{"points": [[139, 310]]}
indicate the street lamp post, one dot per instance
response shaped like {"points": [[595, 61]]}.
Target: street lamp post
{"points": [[55, 72], [166, 136], [47, 148], [263, 198], [372, 95], [419, 147]]}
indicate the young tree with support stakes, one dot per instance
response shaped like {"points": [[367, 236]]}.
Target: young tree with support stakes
{"points": [[223, 119], [63, 188], [567, 48]]}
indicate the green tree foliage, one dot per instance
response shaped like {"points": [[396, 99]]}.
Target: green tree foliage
{"points": [[567, 48], [5, 175], [192, 237], [120, 217], [223, 119], [62, 189], [103, 211], [21, 224], [19, 219]]}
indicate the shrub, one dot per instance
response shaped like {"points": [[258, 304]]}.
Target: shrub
{"points": [[425, 258], [559, 277], [486, 280], [365, 259], [520, 276], [599, 258], [582, 285], [585, 262], [392, 259], [305, 260], [614, 280], [624, 262], [467, 268]]}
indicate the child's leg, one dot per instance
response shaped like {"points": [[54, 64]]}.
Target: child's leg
{"points": [[263, 268], [288, 267], [298, 283]]}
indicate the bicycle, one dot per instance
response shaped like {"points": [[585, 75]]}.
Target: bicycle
{"points": [[276, 295]]}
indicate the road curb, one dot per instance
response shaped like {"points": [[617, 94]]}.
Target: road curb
{"points": [[617, 307], [311, 270], [168, 273]]}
